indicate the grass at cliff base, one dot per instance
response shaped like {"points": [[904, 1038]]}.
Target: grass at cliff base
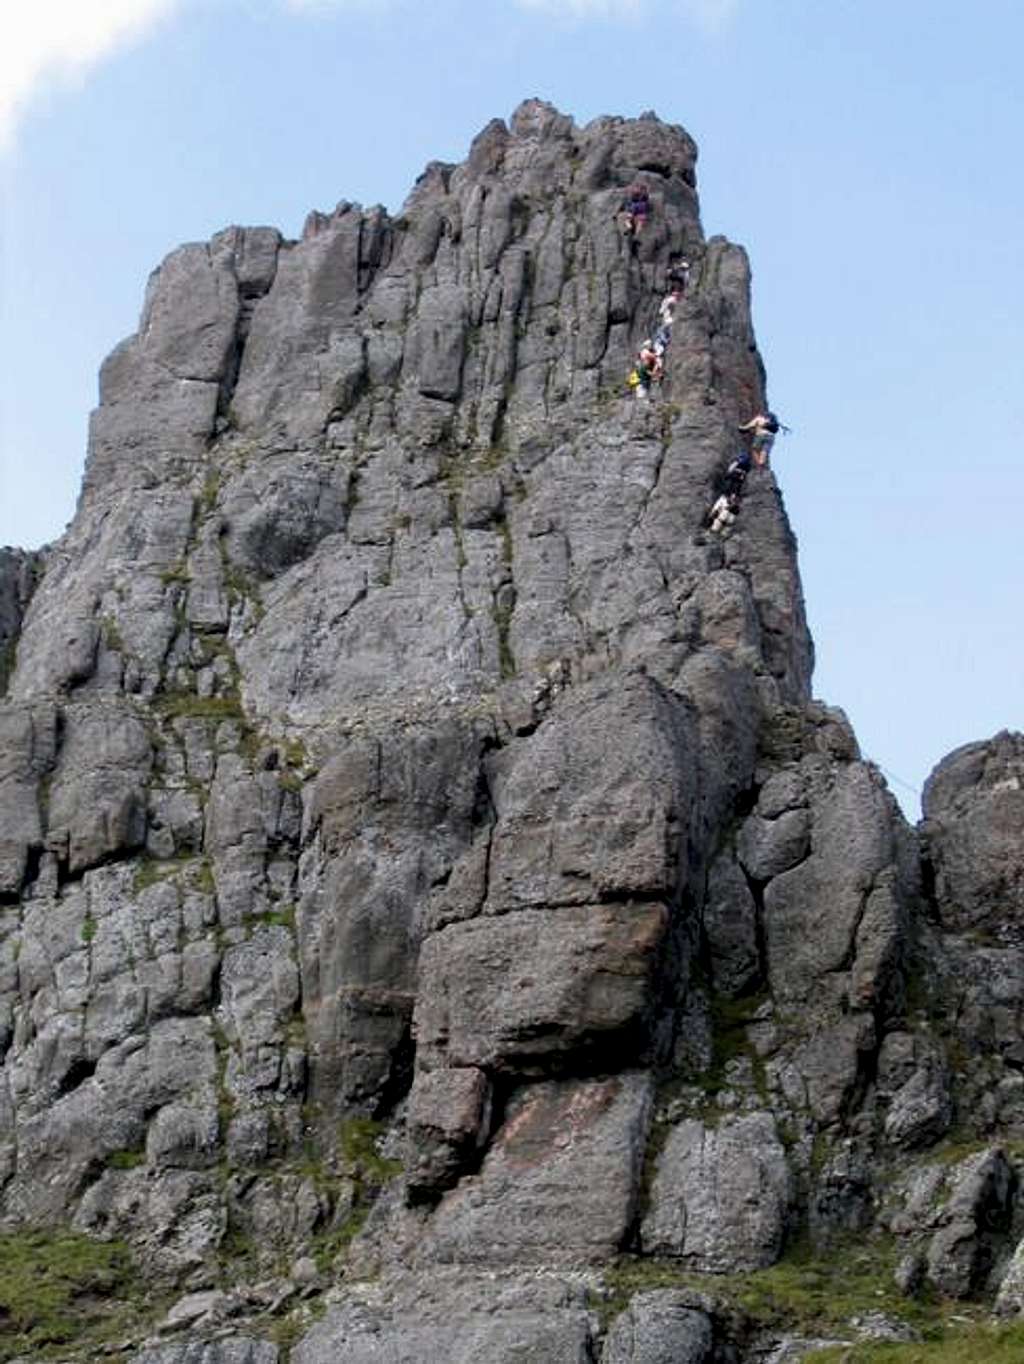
{"points": [[979, 1343], [813, 1293], [824, 1294], [58, 1288]]}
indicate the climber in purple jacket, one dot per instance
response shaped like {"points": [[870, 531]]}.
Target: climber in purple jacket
{"points": [[636, 209]]}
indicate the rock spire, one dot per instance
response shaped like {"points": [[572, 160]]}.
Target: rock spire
{"points": [[423, 864]]}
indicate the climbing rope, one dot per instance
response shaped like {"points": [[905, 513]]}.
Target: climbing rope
{"points": [[907, 786]]}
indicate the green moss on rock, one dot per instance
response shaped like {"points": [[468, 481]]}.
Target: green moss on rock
{"points": [[58, 1288], [960, 1343]]}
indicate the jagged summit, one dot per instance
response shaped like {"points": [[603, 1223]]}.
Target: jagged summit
{"points": [[421, 856], [399, 383]]}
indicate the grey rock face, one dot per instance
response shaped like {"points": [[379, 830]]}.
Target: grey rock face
{"points": [[564, 838], [533, 1339], [28, 747], [914, 1073], [448, 1122], [358, 922], [462, 1317], [768, 847], [97, 793], [559, 1183], [512, 991], [395, 775], [815, 912], [958, 1219], [973, 807], [988, 981], [1010, 1298], [232, 1350], [731, 929], [659, 1328], [961, 1253], [720, 1196], [19, 572]]}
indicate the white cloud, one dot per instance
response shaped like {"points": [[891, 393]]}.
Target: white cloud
{"points": [[710, 14], [48, 43]]}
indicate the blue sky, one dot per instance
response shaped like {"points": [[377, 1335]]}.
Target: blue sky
{"points": [[866, 152]]}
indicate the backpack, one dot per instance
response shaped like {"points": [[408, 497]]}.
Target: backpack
{"points": [[773, 423]]}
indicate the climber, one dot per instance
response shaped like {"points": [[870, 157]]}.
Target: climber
{"points": [[765, 426], [667, 307], [649, 360], [736, 475], [636, 208], [666, 316], [643, 374], [677, 276], [726, 507], [647, 370], [723, 513]]}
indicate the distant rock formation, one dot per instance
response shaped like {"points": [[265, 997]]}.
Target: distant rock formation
{"points": [[423, 865]]}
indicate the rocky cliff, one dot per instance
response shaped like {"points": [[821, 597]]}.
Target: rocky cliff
{"points": [[437, 922]]}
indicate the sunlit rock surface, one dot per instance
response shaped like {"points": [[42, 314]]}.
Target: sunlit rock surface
{"points": [[426, 877]]}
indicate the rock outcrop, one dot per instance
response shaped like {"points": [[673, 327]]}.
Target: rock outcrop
{"points": [[426, 877]]}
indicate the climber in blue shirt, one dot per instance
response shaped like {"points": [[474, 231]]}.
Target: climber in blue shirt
{"points": [[726, 507], [736, 474]]}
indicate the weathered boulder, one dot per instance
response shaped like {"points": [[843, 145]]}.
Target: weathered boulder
{"points": [[720, 1197], [814, 912], [660, 1327], [447, 1124], [767, 847], [462, 1317], [973, 1222], [842, 1201], [559, 1183], [988, 983], [512, 993], [973, 834], [913, 1074], [1010, 1298], [597, 804], [230, 1350]]}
